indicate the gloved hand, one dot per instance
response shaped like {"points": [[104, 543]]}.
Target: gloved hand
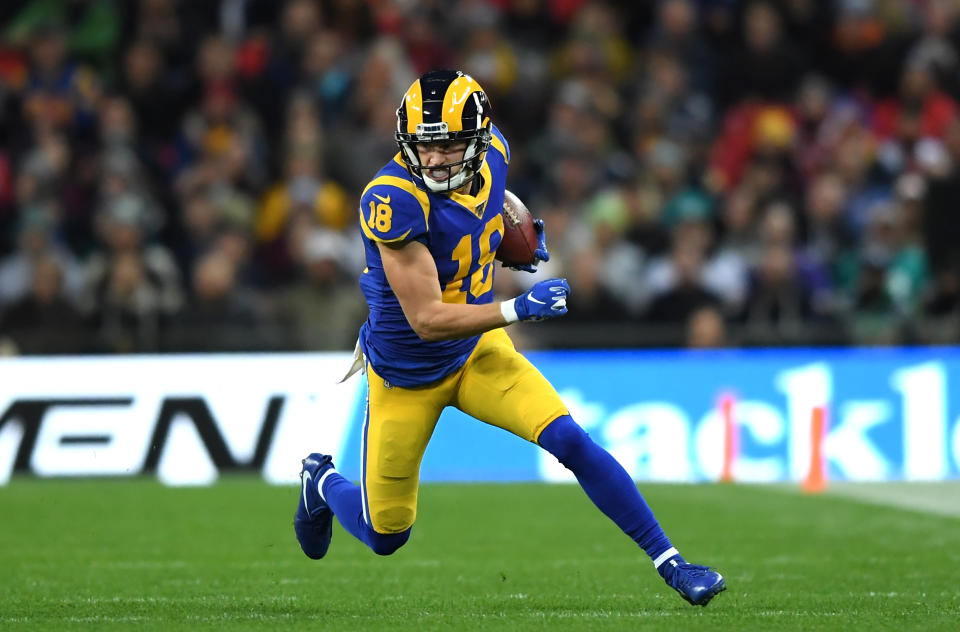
{"points": [[541, 253], [546, 299]]}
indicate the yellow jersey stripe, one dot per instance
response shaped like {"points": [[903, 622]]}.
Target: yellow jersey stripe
{"points": [[497, 144], [413, 101], [405, 185]]}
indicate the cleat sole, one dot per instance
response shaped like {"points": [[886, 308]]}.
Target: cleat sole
{"points": [[722, 586]]}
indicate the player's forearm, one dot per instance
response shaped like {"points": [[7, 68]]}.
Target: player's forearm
{"points": [[448, 321]]}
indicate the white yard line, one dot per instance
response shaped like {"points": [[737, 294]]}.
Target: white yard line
{"points": [[941, 498]]}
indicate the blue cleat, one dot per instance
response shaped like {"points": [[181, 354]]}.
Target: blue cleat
{"points": [[313, 522], [697, 584]]}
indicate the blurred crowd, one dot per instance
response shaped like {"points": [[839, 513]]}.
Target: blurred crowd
{"points": [[183, 175]]}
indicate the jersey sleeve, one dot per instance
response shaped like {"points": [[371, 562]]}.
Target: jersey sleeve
{"points": [[499, 143], [393, 214]]}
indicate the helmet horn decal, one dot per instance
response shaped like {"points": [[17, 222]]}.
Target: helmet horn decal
{"points": [[413, 102], [455, 98]]}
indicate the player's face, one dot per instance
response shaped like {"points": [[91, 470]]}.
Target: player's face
{"points": [[438, 154]]}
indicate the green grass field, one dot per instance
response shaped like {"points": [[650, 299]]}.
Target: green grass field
{"points": [[133, 554]]}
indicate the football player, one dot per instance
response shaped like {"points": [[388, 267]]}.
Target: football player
{"points": [[431, 224]]}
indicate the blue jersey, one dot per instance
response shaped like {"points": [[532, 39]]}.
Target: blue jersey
{"points": [[462, 233]]}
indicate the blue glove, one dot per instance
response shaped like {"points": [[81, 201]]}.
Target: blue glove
{"points": [[541, 253], [546, 299]]}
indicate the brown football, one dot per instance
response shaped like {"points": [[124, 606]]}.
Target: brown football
{"points": [[519, 236]]}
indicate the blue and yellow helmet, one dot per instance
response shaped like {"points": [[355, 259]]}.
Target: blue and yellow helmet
{"points": [[444, 105]]}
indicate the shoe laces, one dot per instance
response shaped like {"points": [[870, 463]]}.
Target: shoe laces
{"points": [[322, 461], [685, 572]]}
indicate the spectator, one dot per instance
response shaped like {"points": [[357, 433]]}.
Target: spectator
{"points": [[220, 316], [303, 198], [940, 229], [269, 88], [686, 292], [827, 238], [722, 272], [325, 75], [157, 99], [218, 220], [667, 103], [738, 224], [488, 53], [778, 303], [133, 288], [596, 302], [766, 67], [676, 34], [121, 171], [44, 171], [92, 28], [942, 306], [174, 28], [324, 308], [423, 42], [384, 69], [58, 92], [854, 165], [920, 103], [706, 329], [43, 320], [621, 262], [644, 228], [222, 138], [35, 244], [889, 273], [670, 147]]}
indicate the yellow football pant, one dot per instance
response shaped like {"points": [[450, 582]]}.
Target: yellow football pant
{"points": [[496, 385]]}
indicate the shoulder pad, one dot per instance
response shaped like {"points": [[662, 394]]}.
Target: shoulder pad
{"points": [[393, 209]]}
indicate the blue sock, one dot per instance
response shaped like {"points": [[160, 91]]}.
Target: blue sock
{"points": [[607, 484], [346, 502]]}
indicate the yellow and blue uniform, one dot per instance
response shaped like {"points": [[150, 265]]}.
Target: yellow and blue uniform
{"points": [[411, 380], [461, 231]]}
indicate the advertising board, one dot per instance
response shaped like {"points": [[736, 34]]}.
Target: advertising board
{"points": [[892, 414]]}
